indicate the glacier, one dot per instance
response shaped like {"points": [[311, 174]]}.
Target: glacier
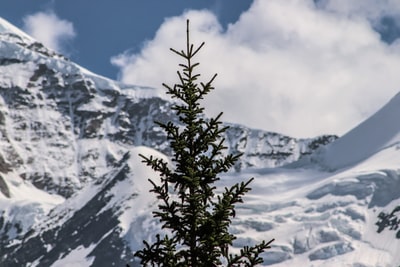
{"points": [[73, 191]]}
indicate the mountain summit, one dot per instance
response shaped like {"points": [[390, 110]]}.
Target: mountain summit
{"points": [[380, 131], [8, 28]]}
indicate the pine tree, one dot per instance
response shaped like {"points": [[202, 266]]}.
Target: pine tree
{"points": [[196, 217]]}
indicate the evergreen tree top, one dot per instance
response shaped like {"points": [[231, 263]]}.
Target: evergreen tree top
{"points": [[196, 217]]}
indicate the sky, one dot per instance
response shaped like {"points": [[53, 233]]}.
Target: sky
{"points": [[297, 67]]}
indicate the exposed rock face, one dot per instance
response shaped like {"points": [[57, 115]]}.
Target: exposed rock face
{"points": [[94, 223], [268, 149]]}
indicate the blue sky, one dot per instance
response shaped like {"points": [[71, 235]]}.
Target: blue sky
{"points": [[299, 67], [104, 28]]}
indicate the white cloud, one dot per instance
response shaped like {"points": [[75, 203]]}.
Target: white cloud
{"points": [[284, 66], [49, 29]]}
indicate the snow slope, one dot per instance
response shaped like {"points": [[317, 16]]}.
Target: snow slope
{"points": [[326, 219]]}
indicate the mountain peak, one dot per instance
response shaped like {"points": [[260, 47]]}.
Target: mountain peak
{"points": [[7, 27], [378, 132]]}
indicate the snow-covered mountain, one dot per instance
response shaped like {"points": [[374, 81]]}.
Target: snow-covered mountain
{"points": [[73, 191]]}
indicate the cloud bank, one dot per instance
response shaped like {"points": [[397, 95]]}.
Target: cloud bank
{"points": [[47, 28], [301, 68]]}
